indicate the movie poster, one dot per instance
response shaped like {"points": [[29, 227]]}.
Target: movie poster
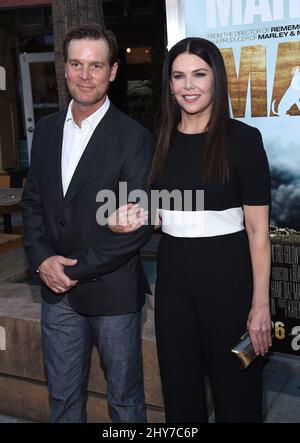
{"points": [[260, 43]]}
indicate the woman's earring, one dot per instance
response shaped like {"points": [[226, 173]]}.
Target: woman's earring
{"points": [[173, 96]]}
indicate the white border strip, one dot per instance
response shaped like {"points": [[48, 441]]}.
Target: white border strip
{"points": [[2, 78], [175, 21]]}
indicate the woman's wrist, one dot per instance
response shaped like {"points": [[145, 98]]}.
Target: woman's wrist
{"points": [[259, 304]]}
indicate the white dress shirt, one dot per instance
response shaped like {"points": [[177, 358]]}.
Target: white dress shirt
{"points": [[75, 140]]}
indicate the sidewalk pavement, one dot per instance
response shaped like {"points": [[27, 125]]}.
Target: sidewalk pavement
{"points": [[281, 399]]}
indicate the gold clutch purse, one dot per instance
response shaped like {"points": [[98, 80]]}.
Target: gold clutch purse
{"points": [[244, 352]]}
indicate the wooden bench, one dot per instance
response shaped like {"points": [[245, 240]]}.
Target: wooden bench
{"points": [[9, 242]]}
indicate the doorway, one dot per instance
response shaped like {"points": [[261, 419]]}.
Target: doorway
{"points": [[39, 89]]}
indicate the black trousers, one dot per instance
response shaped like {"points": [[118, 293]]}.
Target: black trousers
{"points": [[203, 297]]}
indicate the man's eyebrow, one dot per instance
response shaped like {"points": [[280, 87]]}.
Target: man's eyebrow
{"points": [[90, 63]]}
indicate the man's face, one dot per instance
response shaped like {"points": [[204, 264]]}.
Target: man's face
{"points": [[88, 72]]}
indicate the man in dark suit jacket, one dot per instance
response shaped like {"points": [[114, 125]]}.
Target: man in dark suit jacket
{"points": [[92, 279]]}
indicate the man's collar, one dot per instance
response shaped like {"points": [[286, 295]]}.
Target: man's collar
{"points": [[93, 119]]}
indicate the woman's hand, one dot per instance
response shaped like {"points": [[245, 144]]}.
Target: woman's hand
{"points": [[259, 327], [127, 218]]}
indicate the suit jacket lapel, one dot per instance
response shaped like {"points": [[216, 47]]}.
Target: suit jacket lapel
{"points": [[57, 140], [95, 149]]}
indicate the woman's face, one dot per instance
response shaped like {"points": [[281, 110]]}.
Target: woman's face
{"points": [[192, 84]]}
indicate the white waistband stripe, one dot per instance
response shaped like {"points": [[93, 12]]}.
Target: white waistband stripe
{"points": [[202, 223]]}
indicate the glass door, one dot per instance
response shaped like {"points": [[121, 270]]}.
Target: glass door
{"points": [[39, 89]]}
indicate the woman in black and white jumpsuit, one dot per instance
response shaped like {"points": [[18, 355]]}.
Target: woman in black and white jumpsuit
{"points": [[213, 275]]}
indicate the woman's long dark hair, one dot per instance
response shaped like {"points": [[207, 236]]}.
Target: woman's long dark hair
{"points": [[214, 158]]}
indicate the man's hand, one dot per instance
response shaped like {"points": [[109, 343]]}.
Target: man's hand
{"points": [[52, 273], [127, 218]]}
